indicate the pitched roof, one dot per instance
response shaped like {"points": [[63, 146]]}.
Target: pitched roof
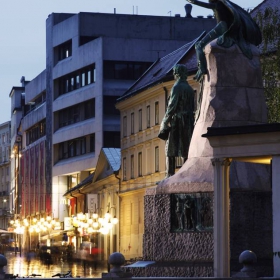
{"points": [[113, 156], [161, 69]]}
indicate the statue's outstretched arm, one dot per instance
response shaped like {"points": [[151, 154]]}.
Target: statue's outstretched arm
{"points": [[203, 4]]}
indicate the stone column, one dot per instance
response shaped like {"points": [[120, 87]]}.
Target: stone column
{"points": [[221, 217], [276, 213]]}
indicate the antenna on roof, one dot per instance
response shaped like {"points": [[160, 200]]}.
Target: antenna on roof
{"points": [[136, 9], [158, 51], [169, 13]]}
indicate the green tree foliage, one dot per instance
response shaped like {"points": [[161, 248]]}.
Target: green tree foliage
{"points": [[269, 23]]}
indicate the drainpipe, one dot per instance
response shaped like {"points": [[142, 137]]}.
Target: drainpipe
{"points": [[166, 97], [116, 173]]}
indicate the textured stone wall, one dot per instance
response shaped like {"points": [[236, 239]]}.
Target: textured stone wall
{"points": [[164, 269], [176, 254], [190, 254]]}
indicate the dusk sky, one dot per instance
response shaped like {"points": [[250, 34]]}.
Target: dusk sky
{"points": [[22, 27]]}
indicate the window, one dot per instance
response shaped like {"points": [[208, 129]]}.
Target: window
{"points": [[124, 169], [148, 117], [63, 51], [76, 113], [132, 166], [140, 164], [69, 115], [179, 161], [132, 123], [89, 108], [76, 79], [76, 147], [156, 159], [35, 132], [140, 119], [124, 126], [156, 113]]}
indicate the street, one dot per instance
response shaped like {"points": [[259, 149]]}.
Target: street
{"points": [[19, 265]]}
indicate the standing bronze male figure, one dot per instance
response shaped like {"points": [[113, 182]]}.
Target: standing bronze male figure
{"points": [[234, 26], [178, 122]]}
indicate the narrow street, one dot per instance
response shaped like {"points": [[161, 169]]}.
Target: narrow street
{"points": [[18, 265]]}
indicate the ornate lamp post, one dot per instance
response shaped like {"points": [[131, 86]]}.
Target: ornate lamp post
{"points": [[93, 223], [19, 229]]}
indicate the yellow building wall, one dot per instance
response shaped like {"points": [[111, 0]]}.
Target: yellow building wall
{"points": [[132, 225]]}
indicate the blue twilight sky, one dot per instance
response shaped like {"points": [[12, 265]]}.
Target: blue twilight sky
{"points": [[22, 32]]}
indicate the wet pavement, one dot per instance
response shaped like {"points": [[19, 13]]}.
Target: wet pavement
{"points": [[19, 265]]}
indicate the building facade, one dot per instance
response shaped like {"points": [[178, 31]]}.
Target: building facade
{"points": [[5, 174], [89, 65], [70, 114], [143, 157]]}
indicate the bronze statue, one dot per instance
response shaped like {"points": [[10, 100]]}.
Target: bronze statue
{"points": [[178, 122], [234, 26]]}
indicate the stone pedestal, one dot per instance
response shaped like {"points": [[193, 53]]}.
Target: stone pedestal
{"points": [[233, 95]]}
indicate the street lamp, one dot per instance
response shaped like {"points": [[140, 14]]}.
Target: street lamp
{"points": [[33, 225], [47, 224], [93, 223], [19, 229]]}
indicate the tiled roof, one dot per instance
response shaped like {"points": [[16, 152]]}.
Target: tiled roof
{"points": [[161, 70], [113, 156]]}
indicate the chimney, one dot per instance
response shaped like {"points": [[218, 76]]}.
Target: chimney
{"points": [[188, 9]]}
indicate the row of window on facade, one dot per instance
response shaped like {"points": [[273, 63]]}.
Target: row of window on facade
{"points": [[86, 144], [64, 50], [4, 171], [5, 154], [5, 138], [112, 70], [149, 123], [31, 106], [138, 166], [74, 114], [85, 110]]}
